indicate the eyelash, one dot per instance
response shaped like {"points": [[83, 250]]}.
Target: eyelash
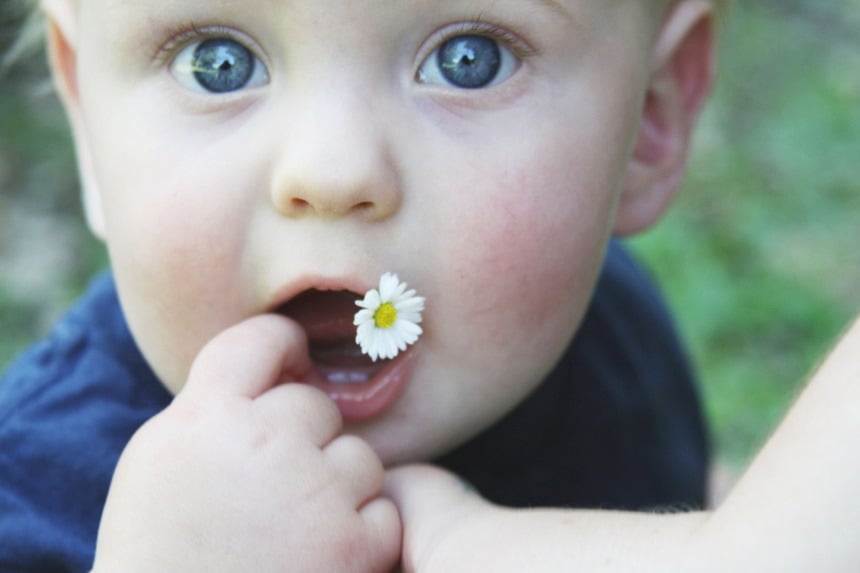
{"points": [[179, 37], [519, 47]]}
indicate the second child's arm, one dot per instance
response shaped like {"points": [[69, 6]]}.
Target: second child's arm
{"points": [[795, 509]]}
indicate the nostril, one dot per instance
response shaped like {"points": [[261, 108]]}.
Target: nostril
{"points": [[329, 204], [299, 204], [364, 206]]}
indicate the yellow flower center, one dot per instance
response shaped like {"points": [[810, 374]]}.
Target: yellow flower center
{"points": [[385, 316]]}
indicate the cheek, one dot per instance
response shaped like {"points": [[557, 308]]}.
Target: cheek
{"points": [[526, 263], [175, 231]]}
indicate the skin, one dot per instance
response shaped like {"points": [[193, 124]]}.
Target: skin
{"points": [[794, 510], [196, 196], [338, 168], [217, 482]]}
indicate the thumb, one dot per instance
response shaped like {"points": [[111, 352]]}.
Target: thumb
{"points": [[423, 489], [435, 507]]}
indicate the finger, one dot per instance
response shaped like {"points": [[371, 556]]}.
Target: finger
{"points": [[249, 358], [424, 492], [357, 466], [432, 503], [384, 533], [300, 409]]}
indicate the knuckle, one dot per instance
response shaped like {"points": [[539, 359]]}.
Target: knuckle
{"points": [[305, 408], [361, 451], [316, 402]]}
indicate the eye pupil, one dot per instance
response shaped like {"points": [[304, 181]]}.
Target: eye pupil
{"points": [[222, 65], [469, 61]]}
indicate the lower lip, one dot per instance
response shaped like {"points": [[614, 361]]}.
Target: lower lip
{"points": [[366, 400]]}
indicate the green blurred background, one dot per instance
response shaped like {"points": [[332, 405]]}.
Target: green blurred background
{"points": [[759, 258]]}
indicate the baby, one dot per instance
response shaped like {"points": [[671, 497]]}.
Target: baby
{"points": [[254, 167]]}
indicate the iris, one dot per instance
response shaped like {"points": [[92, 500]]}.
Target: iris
{"points": [[469, 61], [221, 65]]}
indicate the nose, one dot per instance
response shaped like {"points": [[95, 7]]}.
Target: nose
{"points": [[335, 160]]}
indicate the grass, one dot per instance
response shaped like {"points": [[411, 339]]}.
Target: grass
{"points": [[758, 257]]}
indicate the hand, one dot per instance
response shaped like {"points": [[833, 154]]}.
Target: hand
{"points": [[447, 526], [244, 472]]}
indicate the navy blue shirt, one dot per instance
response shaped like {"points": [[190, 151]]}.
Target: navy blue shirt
{"points": [[617, 424]]}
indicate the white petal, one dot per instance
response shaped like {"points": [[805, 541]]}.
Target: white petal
{"points": [[398, 292], [410, 319], [363, 316], [365, 333], [371, 300], [404, 328], [408, 338], [404, 296], [415, 304], [388, 286], [370, 346], [390, 347], [409, 309]]}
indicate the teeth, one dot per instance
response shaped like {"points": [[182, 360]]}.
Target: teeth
{"points": [[339, 376], [339, 361]]}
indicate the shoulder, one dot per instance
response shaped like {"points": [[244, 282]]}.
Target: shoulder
{"points": [[89, 352], [629, 380], [629, 321], [67, 408], [627, 291]]}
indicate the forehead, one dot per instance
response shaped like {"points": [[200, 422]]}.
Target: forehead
{"points": [[568, 9], [370, 17]]}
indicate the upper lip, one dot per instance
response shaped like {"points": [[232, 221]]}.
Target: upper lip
{"points": [[316, 282]]}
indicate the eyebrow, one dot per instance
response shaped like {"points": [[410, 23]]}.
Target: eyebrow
{"points": [[556, 6]]}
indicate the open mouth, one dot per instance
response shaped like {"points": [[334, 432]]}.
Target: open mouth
{"points": [[327, 319], [361, 387]]}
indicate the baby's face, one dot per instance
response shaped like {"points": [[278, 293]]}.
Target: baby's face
{"points": [[265, 156]]}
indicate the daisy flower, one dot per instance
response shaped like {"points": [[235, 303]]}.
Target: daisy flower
{"points": [[388, 320]]}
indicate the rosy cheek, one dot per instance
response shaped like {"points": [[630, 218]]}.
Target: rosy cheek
{"points": [[174, 232], [177, 255], [524, 267]]}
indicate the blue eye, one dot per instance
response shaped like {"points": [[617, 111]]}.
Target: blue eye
{"points": [[468, 61], [218, 66]]}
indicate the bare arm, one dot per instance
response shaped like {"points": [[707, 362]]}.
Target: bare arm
{"points": [[800, 495], [795, 509]]}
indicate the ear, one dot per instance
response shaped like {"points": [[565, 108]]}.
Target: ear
{"points": [[61, 35], [683, 73]]}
